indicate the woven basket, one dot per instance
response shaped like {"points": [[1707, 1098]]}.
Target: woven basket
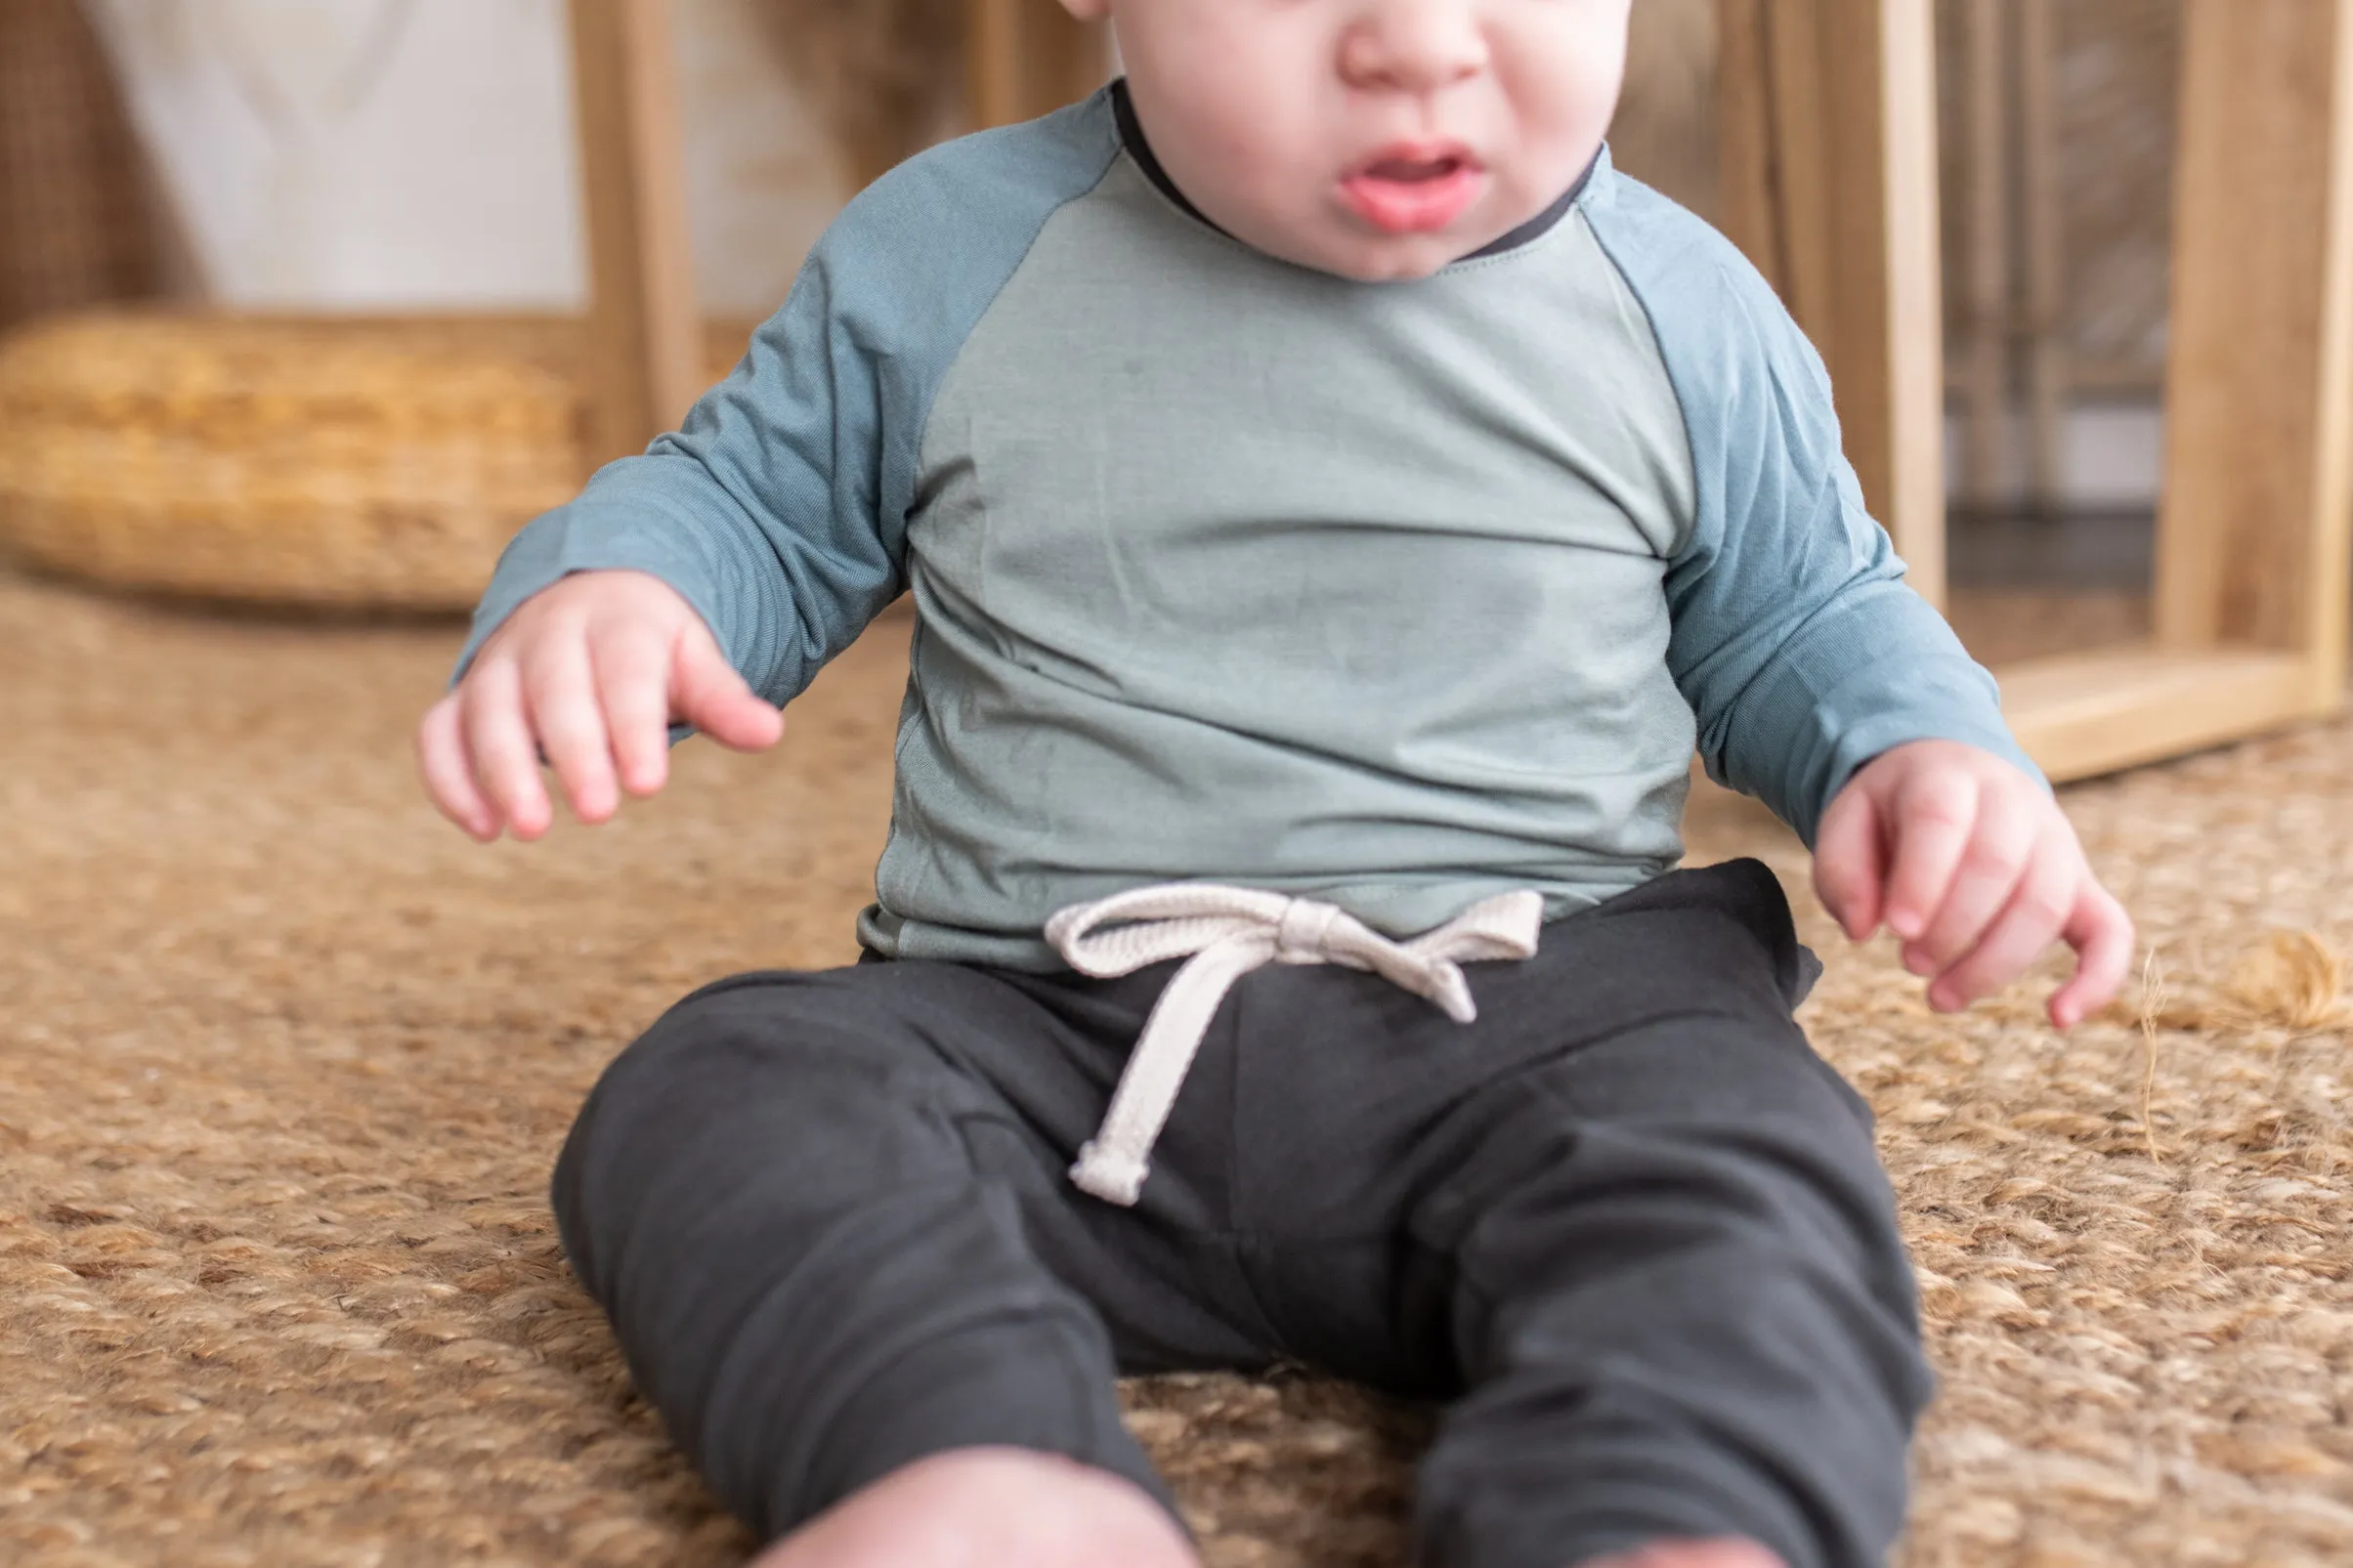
{"points": [[334, 463]]}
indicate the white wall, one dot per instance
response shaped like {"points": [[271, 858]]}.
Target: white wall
{"points": [[417, 153]]}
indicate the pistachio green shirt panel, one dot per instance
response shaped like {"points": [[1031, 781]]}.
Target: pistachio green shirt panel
{"points": [[1231, 570]]}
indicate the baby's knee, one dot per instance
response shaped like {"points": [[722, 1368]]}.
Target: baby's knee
{"points": [[980, 1507]]}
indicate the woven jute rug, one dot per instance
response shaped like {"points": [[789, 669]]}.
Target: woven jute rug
{"points": [[284, 1061]]}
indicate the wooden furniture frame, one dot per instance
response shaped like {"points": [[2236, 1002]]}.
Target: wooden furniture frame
{"points": [[645, 331], [1830, 186]]}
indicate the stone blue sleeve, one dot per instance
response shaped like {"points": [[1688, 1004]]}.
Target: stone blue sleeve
{"points": [[1799, 646], [779, 510]]}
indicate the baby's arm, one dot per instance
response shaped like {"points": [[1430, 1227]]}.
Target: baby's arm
{"points": [[766, 513], [590, 673], [705, 582], [1822, 683], [710, 578]]}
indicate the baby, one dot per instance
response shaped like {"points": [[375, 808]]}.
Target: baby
{"points": [[1337, 504]]}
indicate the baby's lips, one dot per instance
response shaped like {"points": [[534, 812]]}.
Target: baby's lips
{"points": [[1419, 184], [1413, 207]]}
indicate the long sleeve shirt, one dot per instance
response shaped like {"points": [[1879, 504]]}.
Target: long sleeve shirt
{"points": [[1397, 595]]}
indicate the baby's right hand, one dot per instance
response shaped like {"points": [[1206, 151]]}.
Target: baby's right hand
{"points": [[588, 672]]}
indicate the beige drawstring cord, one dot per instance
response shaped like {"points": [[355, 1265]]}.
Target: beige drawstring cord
{"points": [[1226, 932]]}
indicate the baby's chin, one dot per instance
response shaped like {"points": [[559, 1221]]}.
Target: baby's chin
{"points": [[1387, 261], [1340, 243], [1370, 258]]}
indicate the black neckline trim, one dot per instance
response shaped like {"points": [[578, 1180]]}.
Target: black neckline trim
{"points": [[1131, 137]]}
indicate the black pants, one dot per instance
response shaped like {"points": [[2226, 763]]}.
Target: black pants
{"points": [[1627, 1224]]}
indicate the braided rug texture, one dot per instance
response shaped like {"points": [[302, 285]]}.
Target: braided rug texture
{"points": [[284, 1061]]}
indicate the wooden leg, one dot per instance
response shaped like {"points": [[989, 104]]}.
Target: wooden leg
{"points": [[645, 333], [2252, 546], [2049, 367], [1985, 357], [1851, 186], [1028, 57]]}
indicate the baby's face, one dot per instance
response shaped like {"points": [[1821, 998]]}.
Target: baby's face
{"points": [[1376, 138]]}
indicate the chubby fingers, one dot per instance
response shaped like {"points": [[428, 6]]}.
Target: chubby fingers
{"points": [[2009, 844], [448, 769], [1849, 863], [502, 747], [709, 694], [561, 691], [2103, 937], [597, 708], [1933, 814], [632, 678], [2034, 909], [1981, 873]]}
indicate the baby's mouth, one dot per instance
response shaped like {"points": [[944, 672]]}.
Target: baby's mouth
{"points": [[1415, 187]]}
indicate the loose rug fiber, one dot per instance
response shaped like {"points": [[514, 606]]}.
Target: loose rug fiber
{"points": [[284, 1061]]}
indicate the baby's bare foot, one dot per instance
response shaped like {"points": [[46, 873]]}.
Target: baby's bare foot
{"points": [[1690, 1554], [988, 1507]]}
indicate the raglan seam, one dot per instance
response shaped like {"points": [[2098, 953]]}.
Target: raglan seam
{"points": [[1721, 277]]}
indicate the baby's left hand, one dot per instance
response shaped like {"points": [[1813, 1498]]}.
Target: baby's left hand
{"points": [[1974, 865]]}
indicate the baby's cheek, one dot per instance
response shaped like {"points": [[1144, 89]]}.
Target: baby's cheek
{"points": [[1561, 67]]}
